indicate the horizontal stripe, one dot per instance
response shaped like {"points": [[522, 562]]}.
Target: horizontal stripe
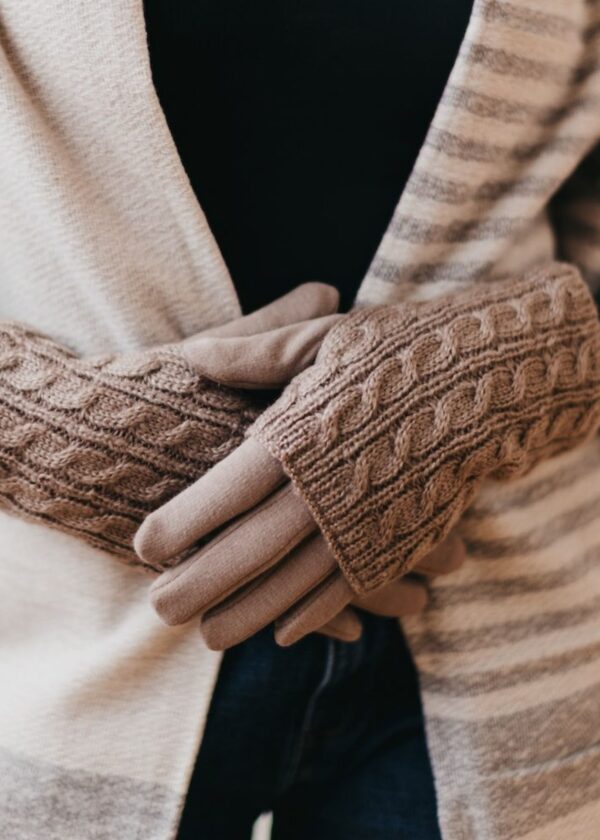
{"points": [[457, 685], [546, 726], [531, 493], [512, 111], [456, 272], [509, 804], [557, 556], [577, 569], [436, 641], [527, 699], [540, 537], [447, 191], [527, 20], [510, 655], [415, 230], [41, 800], [532, 603], [506, 63], [468, 149], [519, 520]]}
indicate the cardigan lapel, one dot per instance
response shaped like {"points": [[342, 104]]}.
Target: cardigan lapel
{"points": [[492, 157]]}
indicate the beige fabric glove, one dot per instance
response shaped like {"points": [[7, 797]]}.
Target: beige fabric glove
{"points": [[400, 598], [237, 582], [385, 438], [91, 446]]}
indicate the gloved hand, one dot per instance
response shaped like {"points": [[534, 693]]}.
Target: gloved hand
{"points": [[237, 582], [385, 439], [91, 446], [400, 598]]}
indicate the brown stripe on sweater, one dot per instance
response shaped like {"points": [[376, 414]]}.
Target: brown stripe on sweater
{"points": [[531, 494], [92, 805], [390, 271], [479, 151], [496, 635], [503, 62], [527, 20], [488, 681], [527, 799], [448, 191], [540, 537], [414, 230], [546, 725], [513, 111], [520, 584]]}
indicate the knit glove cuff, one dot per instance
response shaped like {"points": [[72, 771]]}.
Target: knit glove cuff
{"points": [[409, 406], [92, 446]]}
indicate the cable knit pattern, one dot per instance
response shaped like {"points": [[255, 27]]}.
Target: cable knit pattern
{"points": [[92, 446], [409, 406]]}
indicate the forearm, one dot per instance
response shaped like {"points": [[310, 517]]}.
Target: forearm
{"points": [[409, 407], [92, 446]]}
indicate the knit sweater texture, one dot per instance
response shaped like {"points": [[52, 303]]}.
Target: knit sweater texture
{"points": [[91, 446], [409, 407], [105, 249]]}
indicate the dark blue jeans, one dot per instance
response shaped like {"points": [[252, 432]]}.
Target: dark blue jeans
{"points": [[327, 735]]}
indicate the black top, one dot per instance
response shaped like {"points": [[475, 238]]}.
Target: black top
{"points": [[298, 123]]}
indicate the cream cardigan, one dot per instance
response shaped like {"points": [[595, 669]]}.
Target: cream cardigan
{"points": [[103, 246]]}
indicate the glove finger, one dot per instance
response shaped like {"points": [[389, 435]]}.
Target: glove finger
{"points": [[406, 596], [346, 626], [446, 558], [263, 600], [233, 486], [306, 301], [268, 360], [243, 551], [314, 611]]}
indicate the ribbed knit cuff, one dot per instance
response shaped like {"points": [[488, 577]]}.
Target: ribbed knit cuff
{"points": [[409, 406]]}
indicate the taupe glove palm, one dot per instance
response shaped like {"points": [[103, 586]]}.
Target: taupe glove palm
{"points": [[91, 446], [385, 440]]}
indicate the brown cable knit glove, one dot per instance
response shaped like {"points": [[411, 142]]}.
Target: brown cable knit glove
{"points": [[92, 446], [407, 408]]}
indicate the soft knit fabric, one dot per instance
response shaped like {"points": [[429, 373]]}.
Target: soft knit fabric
{"points": [[91, 447], [104, 248], [407, 408]]}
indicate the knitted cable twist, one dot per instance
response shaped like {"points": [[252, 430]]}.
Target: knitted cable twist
{"points": [[92, 446], [408, 407]]}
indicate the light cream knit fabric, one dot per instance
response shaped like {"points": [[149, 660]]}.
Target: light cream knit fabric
{"points": [[409, 407], [103, 247]]}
